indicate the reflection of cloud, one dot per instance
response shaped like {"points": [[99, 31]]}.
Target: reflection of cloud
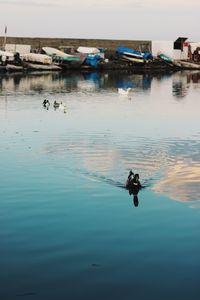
{"points": [[103, 155], [167, 167], [181, 181], [104, 159]]}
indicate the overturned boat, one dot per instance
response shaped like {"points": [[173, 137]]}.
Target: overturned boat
{"points": [[169, 61], [36, 61], [37, 58], [189, 65], [134, 56], [64, 60], [93, 55]]}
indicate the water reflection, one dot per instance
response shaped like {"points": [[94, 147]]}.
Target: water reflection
{"points": [[105, 137], [123, 82], [167, 166], [181, 178], [183, 81], [180, 85], [56, 82]]}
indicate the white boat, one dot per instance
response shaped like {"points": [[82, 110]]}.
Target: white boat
{"points": [[41, 67], [189, 65], [63, 59], [37, 58], [91, 51], [88, 50], [6, 56], [54, 52]]}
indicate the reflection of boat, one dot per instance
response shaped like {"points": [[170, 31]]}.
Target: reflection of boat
{"points": [[134, 56]]}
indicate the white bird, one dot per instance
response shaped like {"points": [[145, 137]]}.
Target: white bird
{"points": [[62, 106], [124, 91]]}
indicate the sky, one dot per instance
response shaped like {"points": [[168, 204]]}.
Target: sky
{"points": [[102, 19]]}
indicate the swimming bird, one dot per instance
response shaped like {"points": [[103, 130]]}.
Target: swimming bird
{"points": [[62, 106], [56, 104], [46, 103], [124, 91]]}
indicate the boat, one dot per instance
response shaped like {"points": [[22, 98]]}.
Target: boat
{"points": [[13, 68], [134, 56], [169, 61], [93, 55], [37, 58], [6, 57], [166, 58], [40, 67], [189, 65], [64, 60]]}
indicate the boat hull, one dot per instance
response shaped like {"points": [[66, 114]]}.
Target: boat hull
{"points": [[133, 56]]}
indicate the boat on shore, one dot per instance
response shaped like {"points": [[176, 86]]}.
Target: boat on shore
{"points": [[40, 67], [64, 60], [169, 61], [6, 57], [93, 56], [134, 56], [189, 65], [37, 58]]}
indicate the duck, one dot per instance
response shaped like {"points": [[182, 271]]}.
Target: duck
{"points": [[46, 103], [56, 104]]}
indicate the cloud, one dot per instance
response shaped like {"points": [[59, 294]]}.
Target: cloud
{"points": [[170, 4], [106, 4], [78, 4], [35, 3]]}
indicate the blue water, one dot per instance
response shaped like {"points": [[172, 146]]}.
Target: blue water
{"points": [[68, 228]]}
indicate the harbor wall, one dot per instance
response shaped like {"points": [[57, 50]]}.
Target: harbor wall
{"points": [[37, 43]]}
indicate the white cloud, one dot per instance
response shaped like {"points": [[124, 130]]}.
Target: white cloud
{"points": [[28, 3], [81, 4], [78, 4], [113, 19]]}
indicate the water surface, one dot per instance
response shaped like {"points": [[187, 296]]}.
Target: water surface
{"points": [[68, 228]]}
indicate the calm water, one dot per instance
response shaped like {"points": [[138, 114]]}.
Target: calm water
{"points": [[68, 230]]}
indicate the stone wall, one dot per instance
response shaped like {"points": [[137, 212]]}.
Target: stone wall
{"points": [[111, 45]]}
